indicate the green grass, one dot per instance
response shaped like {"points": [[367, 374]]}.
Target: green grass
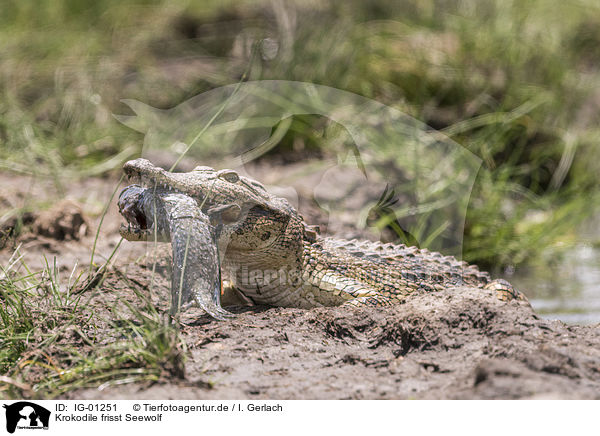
{"points": [[56, 337], [513, 82]]}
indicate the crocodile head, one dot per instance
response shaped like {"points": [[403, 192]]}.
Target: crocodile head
{"points": [[255, 218], [205, 214], [207, 186]]}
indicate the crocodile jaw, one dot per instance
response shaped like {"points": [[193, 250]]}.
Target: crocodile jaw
{"points": [[135, 234], [206, 185]]}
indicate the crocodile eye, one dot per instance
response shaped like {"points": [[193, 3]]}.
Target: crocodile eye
{"points": [[230, 175]]}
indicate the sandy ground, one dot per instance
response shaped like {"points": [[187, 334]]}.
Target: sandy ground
{"points": [[459, 343]]}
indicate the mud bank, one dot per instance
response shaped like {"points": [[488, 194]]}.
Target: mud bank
{"points": [[455, 344]]}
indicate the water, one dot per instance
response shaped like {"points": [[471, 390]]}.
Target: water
{"points": [[568, 291]]}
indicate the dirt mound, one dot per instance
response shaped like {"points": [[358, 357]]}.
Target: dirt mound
{"points": [[457, 343], [63, 221]]}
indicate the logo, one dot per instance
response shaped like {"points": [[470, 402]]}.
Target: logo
{"points": [[394, 179], [419, 197], [26, 415]]}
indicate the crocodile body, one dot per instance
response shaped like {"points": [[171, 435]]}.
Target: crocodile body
{"points": [[269, 253]]}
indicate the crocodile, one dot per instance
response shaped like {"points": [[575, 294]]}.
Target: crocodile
{"points": [[224, 225]]}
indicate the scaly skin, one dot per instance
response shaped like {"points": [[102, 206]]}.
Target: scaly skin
{"points": [[270, 254]]}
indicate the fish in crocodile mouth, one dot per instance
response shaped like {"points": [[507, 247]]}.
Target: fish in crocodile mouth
{"points": [[137, 227], [169, 216], [143, 210]]}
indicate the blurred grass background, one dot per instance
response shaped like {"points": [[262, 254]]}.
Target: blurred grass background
{"points": [[514, 82]]}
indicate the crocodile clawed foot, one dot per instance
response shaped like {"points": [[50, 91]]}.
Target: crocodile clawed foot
{"points": [[217, 312]]}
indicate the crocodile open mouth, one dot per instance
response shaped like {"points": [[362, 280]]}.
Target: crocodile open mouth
{"points": [[135, 217], [148, 182], [137, 220]]}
